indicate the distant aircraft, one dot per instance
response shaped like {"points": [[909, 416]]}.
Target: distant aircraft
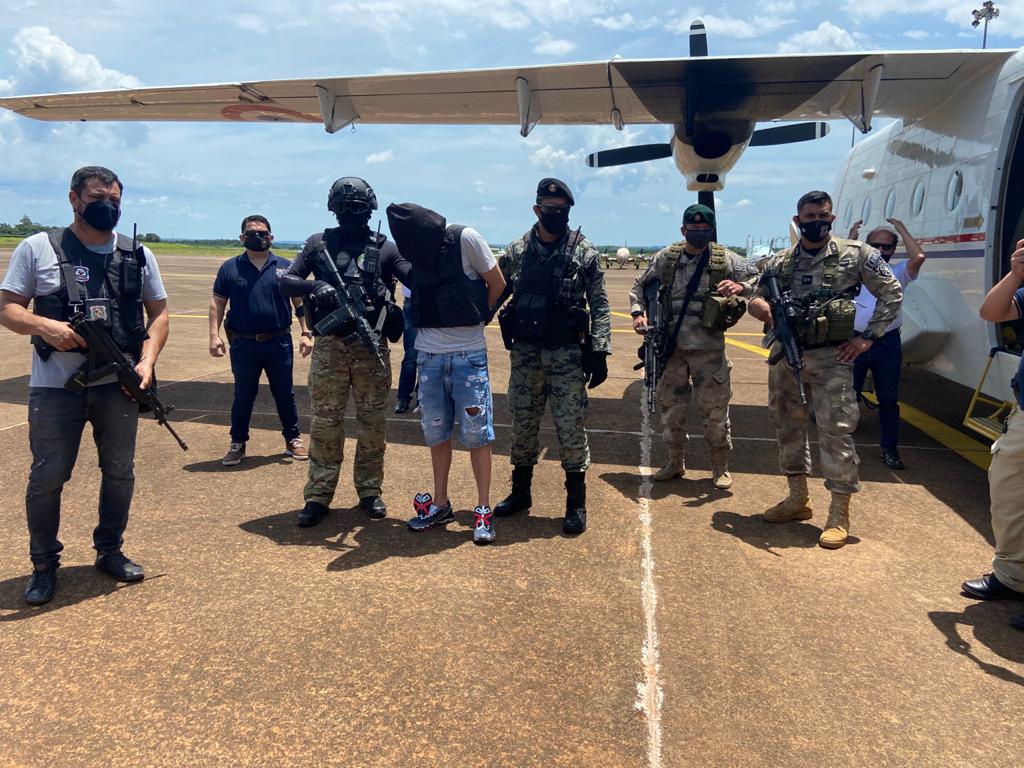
{"points": [[951, 166]]}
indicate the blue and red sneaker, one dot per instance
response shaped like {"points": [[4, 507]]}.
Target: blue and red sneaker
{"points": [[483, 526], [429, 514]]}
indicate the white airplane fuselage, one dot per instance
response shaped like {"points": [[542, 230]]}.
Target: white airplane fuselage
{"points": [[955, 177]]}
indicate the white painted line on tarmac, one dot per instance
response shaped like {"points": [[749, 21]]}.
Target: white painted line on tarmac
{"points": [[13, 426], [649, 692]]}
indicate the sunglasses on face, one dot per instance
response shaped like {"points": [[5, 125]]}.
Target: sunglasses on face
{"points": [[554, 209], [355, 206], [261, 233], [884, 246]]}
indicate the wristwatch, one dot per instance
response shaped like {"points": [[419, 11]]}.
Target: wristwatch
{"points": [[308, 334], [869, 336]]}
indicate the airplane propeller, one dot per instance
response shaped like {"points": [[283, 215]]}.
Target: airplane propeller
{"points": [[762, 137]]}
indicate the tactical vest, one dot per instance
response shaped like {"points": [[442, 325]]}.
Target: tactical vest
{"points": [[716, 312], [122, 283], [363, 280], [447, 297], [545, 312], [830, 315]]}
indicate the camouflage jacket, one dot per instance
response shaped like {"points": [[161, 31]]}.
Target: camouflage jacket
{"points": [[692, 335], [588, 284], [858, 264]]}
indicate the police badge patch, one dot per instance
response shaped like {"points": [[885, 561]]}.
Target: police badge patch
{"points": [[81, 275], [877, 265], [280, 272]]}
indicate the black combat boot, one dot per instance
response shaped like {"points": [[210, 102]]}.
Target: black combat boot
{"points": [[575, 503], [519, 499]]}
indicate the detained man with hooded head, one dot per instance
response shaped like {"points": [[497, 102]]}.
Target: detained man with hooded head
{"points": [[455, 284]]}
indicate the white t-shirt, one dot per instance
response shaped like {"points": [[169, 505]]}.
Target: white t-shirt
{"points": [[866, 301], [476, 260], [34, 271]]}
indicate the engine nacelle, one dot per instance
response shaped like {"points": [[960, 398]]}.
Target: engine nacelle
{"points": [[705, 158]]}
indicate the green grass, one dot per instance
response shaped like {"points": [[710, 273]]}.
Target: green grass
{"points": [[176, 249]]}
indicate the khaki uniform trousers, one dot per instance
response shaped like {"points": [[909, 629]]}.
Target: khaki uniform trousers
{"points": [[1006, 489]]}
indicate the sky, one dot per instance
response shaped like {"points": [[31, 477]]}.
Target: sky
{"points": [[198, 180]]}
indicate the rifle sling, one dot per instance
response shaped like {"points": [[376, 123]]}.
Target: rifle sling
{"points": [[691, 289]]}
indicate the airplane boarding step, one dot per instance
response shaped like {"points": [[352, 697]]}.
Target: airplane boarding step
{"points": [[990, 425]]}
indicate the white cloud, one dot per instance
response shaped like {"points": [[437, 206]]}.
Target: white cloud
{"points": [[488, 208], [40, 55], [250, 22], [616, 23], [1010, 22], [664, 208], [744, 203], [380, 157], [552, 46], [827, 37], [153, 200], [757, 26], [916, 34]]}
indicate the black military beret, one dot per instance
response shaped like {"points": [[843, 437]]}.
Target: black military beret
{"points": [[554, 188]]}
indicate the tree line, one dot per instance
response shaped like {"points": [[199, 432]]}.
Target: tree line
{"points": [[26, 227]]}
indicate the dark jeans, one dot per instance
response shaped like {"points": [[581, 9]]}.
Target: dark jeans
{"points": [[249, 359], [407, 375], [884, 360], [56, 419]]}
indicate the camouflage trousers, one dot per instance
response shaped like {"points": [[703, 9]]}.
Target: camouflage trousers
{"points": [[829, 387], [338, 369], [539, 375], [704, 375]]}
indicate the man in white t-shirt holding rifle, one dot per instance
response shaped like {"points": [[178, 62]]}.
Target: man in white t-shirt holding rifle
{"points": [[455, 283], [885, 357]]}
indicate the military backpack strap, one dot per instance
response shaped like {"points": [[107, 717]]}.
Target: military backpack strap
{"points": [[718, 266], [831, 268], [66, 268]]}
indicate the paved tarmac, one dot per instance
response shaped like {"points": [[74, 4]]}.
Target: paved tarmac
{"points": [[679, 630]]}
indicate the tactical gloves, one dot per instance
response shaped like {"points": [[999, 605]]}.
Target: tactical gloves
{"points": [[598, 369], [324, 297]]}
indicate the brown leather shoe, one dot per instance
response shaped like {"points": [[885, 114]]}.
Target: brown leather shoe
{"points": [[296, 449]]}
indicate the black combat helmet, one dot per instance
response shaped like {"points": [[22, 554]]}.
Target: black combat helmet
{"points": [[350, 194]]}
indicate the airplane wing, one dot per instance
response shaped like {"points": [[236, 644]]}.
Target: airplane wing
{"points": [[621, 91]]}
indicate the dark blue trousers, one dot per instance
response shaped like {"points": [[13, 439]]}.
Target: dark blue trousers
{"points": [[885, 361], [407, 375], [249, 359], [56, 419]]}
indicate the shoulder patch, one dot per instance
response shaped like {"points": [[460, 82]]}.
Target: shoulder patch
{"points": [[877, 264]]}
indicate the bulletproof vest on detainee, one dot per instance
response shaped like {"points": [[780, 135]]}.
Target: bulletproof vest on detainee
{"points": [[545, 309], [446, 297], [118, 292]]}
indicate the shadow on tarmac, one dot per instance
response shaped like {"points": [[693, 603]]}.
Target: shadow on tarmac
{"points": [[361, 542], [768, 537], [75, 584], [249, 462], [988, 622]]}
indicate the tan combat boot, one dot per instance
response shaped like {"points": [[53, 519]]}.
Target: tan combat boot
{"points": [[674, 467], [794, 506], [837, 528], [720, 476]]}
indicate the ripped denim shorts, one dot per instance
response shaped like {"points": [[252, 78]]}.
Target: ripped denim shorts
{"points": [[455, 384]]}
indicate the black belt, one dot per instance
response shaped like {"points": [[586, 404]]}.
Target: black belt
{"points": [[258, 336]]}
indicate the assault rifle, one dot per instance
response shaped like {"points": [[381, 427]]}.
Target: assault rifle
{"points": [[345, 321], [786, 322], [652, 352], [106, 358]]}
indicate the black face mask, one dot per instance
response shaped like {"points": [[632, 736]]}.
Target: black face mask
{"points": [[102, 215], [815, 231], [353, 223], [555, 223], [699, 238], [256, 243]]}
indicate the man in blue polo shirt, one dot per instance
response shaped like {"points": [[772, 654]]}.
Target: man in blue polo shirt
{"points": [[259, 331], [1005, 304]]}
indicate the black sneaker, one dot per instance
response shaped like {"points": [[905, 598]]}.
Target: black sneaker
{"points": [[312, 514], [42, 586], [402, 404], [428, 514], [891, 458], [483, 526], [118, 566]]}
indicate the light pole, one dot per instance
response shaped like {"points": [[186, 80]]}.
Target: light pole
{"points": [[987, 12]]}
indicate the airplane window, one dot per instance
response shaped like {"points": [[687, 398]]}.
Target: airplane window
{"points": [[848, 214], [890, 204], [917, 200], [865, 212], [954, 190]]}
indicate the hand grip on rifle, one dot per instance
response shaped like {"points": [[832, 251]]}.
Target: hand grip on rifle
{"points": [[344, 321], [786, 319]]}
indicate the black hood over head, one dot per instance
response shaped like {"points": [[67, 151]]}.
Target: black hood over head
{"points": [[418, 233]]}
